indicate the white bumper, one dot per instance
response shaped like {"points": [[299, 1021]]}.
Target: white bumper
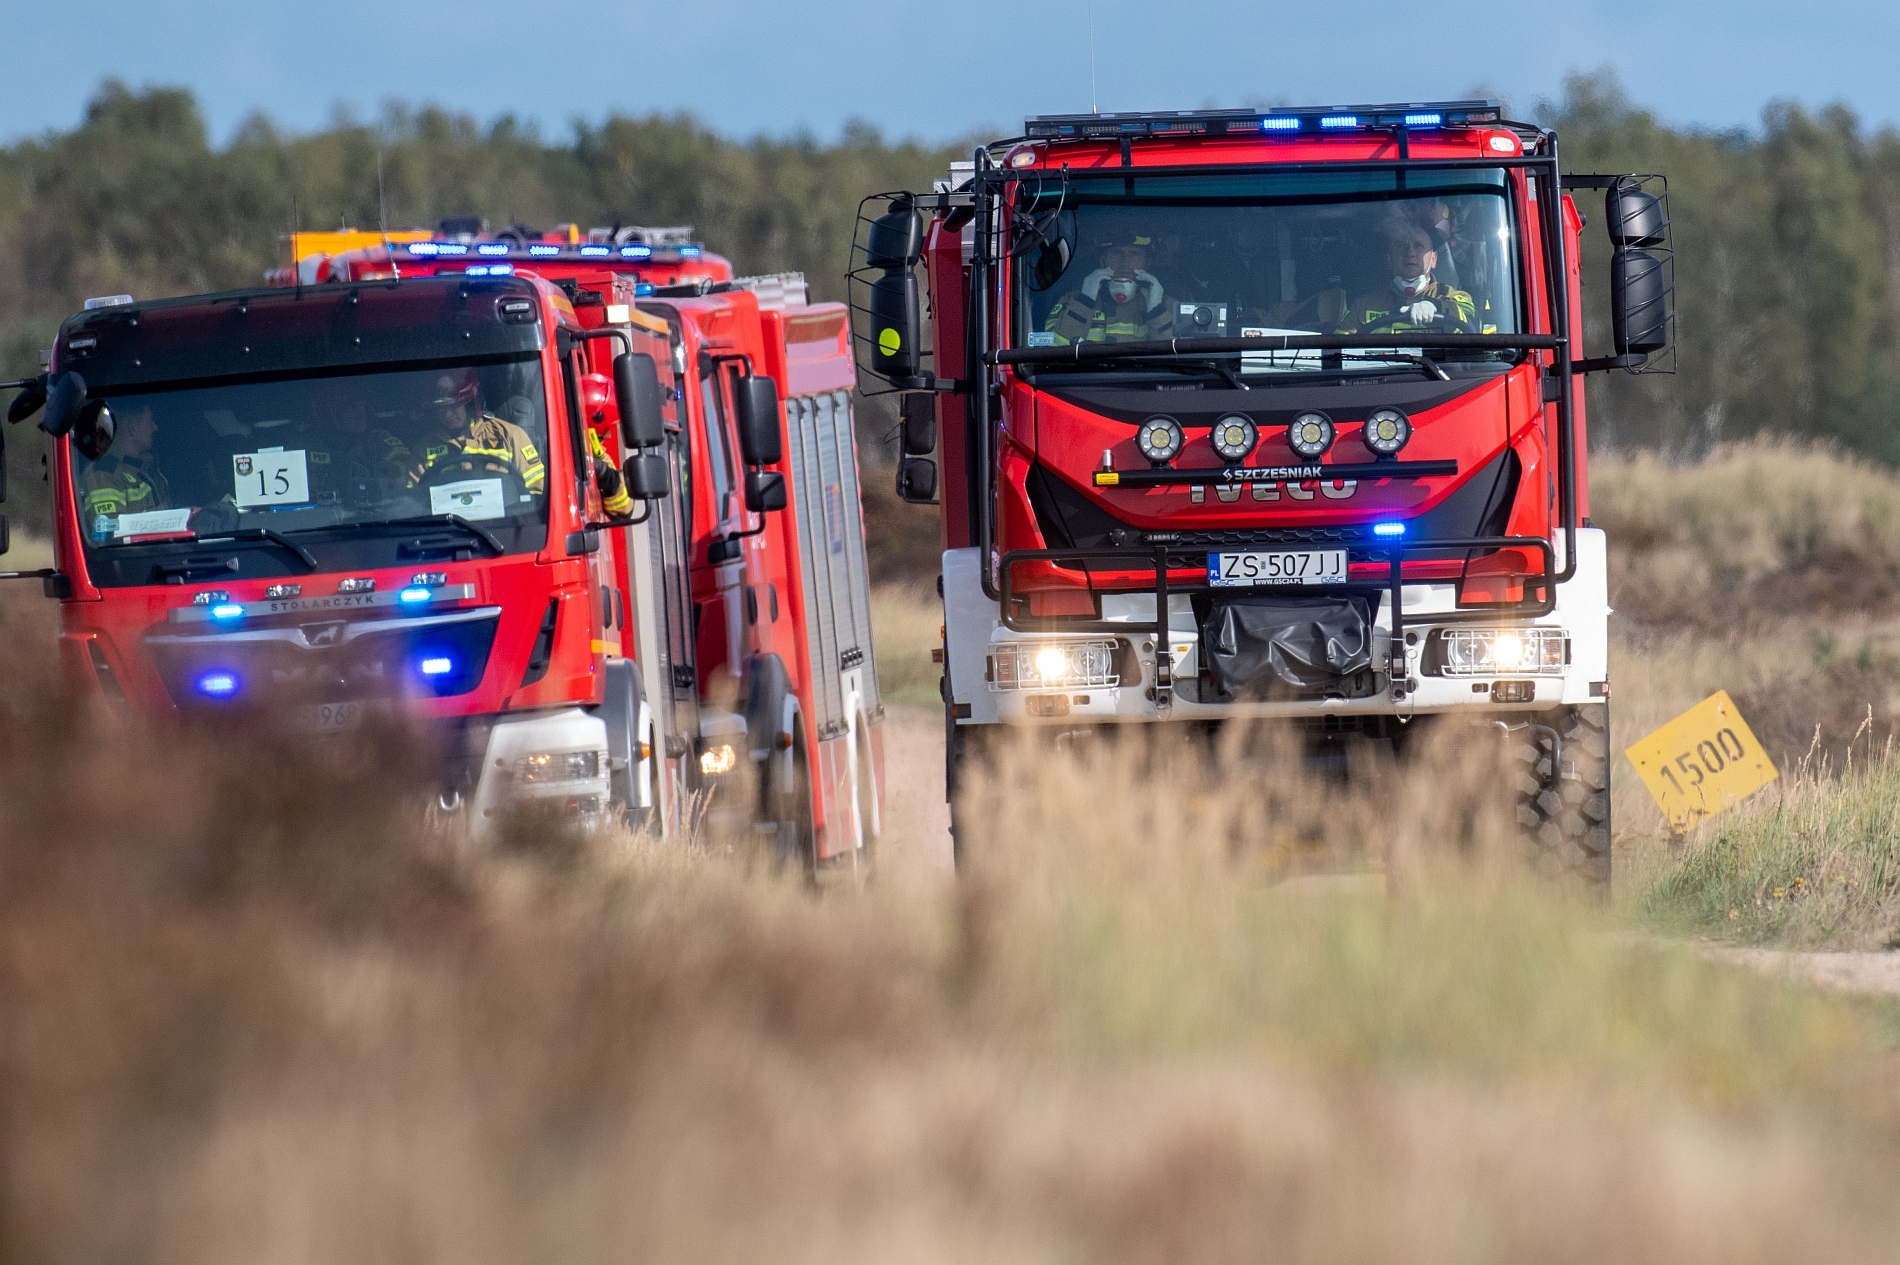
{"points": [[974, 634], [527, 760]]}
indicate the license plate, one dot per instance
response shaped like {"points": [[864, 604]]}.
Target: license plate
{"points": [[1299, 566], [327, 717]]}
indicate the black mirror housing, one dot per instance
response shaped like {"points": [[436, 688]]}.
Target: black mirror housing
{"points": [[647, 476], [642, 403], [919, 412], [894, 323], [896, 239], [63, 402], [94, 430], [764, 491], [1634, 216], [6, 534], [759, 434], [1639, 302], [917, 480]]}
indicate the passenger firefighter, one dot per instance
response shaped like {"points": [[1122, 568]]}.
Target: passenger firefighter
{"points": [[1120, 302]]}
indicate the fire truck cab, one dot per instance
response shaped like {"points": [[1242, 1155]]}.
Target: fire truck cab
{"points": [[1268, 414]]}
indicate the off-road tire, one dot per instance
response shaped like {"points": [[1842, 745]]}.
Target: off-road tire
{"points": [[1565, 812]]}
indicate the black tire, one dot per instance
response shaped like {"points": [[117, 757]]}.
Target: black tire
{"points": [[1563, 806]]}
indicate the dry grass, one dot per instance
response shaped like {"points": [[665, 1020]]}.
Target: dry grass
{"points": [[257, 1010]]}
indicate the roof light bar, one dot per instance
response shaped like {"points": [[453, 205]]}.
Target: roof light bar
{"points": [[595, 251], [492, 248], [1213, 123], [636, 252], [546, 250], [543, 252]]}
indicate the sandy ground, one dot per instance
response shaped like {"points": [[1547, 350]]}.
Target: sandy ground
{"points": [[1875, 971]]}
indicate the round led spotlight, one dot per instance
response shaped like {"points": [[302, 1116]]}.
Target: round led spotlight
{"points": [[1387, 431], [1160, 439], [1233, 437], [1311, 434]]}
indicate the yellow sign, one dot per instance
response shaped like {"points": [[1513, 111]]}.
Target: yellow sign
{"points": [[1701, 762]]}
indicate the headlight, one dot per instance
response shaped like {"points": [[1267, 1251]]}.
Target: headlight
{"points": [[1311, 434], [1234, 436], [718, 759], [1511, 651], [560, 766], [1387, 431], [1037, 665], [1159, 439]]}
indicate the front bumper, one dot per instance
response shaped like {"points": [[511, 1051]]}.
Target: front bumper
{"points": [[976, 634], [525, 762]]}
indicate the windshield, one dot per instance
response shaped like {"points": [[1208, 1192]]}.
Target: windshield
{"points": [[303, 456], [1211, 256]]}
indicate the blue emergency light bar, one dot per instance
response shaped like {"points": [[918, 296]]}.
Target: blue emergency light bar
{"points": [[1330, 119], [546, 250]]}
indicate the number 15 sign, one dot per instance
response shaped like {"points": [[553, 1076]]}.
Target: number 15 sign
{"points": [[1701, 762]]}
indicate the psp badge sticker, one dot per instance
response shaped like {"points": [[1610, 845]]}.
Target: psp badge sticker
{"points": [[243, 465]]}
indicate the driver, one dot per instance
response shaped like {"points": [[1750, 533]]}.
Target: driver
{"points": [[1413, 299], [462, 430], [125, 480], [1120, 302]]}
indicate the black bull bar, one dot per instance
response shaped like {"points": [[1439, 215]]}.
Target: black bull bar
{"points": [[1163, 558]]}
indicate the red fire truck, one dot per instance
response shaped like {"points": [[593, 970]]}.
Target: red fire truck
{"points": [[385, 493], [1269, 414]]}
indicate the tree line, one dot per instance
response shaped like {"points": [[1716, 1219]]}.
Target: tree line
{"points": [[1787, 236]]}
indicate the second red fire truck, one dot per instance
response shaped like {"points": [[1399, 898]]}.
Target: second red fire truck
{"points": [[396, 493]]}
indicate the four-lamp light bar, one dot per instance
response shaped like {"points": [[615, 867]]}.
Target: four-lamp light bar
{"points": [[1308, 120]]}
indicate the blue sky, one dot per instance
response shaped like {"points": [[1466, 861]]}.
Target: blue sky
{"points": [[931, 70]]}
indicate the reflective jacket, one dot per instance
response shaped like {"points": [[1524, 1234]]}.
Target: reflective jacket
{"points": [[112, 486], [1454, 306], [1078, 318], [486, 437]]}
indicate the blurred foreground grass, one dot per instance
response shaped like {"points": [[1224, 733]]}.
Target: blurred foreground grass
{"points": [[259, 1008]]}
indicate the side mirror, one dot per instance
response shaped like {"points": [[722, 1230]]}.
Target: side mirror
{"points": [[647, 476], [642, 403], [94, 430], [764, 491], [917, 480], [759, 440], [896, 239], [1639, 302], [30, 400], [63, 402], [894, 324], [1052, 260], [919, 412]]}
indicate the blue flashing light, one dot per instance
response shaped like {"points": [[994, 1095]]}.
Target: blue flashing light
{"points": [[1424, 120], [218, 684], [450, 248], [641, 289], [437, 666], [425, 249], [1388, 529], [636, 252], [544, 252], [1279, 125], [596, 250], [492, 248], [414, 596], [490, 270], [1340, 120], [691, 252], [225, 612]]}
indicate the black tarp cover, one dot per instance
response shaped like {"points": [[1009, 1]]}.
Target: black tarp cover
{"points": [[1271, 643]]}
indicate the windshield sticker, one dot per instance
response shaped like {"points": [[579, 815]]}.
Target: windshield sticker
{"points": [[1041, 338], [272, 477], [153, 523], [473, 499]]}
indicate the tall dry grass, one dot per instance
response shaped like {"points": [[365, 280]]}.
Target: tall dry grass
{"points": [[256, 1008]]}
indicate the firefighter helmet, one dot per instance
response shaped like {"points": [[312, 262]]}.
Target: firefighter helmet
{"points": [[459, 386]]}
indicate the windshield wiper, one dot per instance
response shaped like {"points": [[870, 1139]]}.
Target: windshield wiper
{"points": [[1143, 362], [493, 545], [1431, 367], [250, 535]]}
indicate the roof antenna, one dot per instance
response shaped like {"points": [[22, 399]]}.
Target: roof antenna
{"points": [[1093, 107], [382, 219]]}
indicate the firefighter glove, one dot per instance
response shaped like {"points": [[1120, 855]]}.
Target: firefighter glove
{"points": [[1423, 312]]}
